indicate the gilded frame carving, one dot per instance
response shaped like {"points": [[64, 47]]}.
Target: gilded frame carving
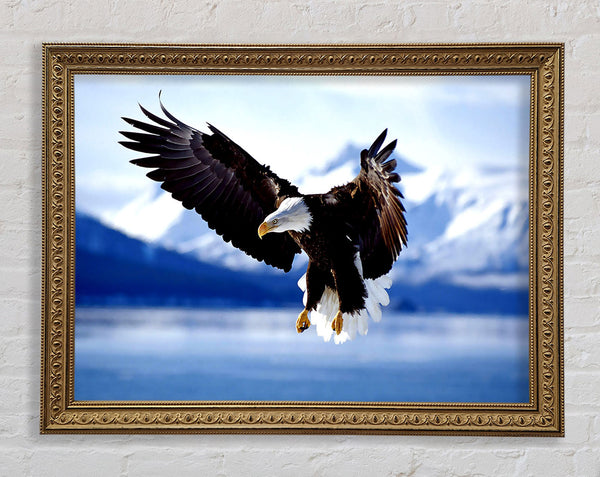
{"points": [[542, 416]]}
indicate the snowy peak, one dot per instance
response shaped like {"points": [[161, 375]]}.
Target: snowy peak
{"points": [[148, 217], [473, 223]]}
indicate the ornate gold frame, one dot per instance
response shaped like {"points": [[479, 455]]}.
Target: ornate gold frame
{"points": [[542, 416]]}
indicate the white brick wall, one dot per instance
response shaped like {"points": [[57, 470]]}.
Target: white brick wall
{"points": [[27, 23]]}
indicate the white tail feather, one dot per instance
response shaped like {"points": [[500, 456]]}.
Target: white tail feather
{"points": [[354, 323], [377, 292], [302, 283], [363, 322], [351, 326], [374, 309], [385, 281]]}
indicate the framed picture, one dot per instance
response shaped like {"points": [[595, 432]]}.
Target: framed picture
{"points": [[302, 239]]}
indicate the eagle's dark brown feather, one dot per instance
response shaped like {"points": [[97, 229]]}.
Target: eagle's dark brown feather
{"points": [[212, 174], [374, 210]]}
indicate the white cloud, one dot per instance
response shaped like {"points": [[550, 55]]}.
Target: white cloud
{"points": [[473, 90]]}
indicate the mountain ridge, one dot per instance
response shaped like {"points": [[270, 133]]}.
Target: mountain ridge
{"points": [[468, 234]]}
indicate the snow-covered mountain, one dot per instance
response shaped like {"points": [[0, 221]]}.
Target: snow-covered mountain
{"points": [[466, 227], [156, 218], [469, 228]]}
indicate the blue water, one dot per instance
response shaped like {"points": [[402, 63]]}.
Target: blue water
{"points": [[201, 354]]}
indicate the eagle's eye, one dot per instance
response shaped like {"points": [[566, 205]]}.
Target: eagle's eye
{"points": [[275, 221]]}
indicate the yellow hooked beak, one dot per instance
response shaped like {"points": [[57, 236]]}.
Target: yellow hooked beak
{"points": [[265, 228]]}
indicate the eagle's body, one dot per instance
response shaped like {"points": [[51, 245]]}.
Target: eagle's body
{"points": [[351, 234]]}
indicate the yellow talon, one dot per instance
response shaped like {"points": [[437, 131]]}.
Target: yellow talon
{"points": [[337, 323], [302, 323]]}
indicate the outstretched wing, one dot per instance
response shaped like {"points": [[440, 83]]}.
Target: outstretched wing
{"points": [[377, 219], [213, 175]]}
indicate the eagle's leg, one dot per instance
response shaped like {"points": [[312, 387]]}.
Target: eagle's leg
{"points": [[337, 323], [350, 290], [302, 323], [316, 278]]}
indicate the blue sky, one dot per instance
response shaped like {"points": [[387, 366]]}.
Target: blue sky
{"points": [[294, 123]]}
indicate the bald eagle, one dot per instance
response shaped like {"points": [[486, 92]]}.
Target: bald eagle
{"points": [[352, 234]]}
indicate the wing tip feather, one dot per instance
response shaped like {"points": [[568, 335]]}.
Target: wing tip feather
{"points": [[163, 129], [374, 149]]}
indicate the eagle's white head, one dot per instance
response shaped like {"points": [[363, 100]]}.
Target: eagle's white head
{"points": [[292, 214]]}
